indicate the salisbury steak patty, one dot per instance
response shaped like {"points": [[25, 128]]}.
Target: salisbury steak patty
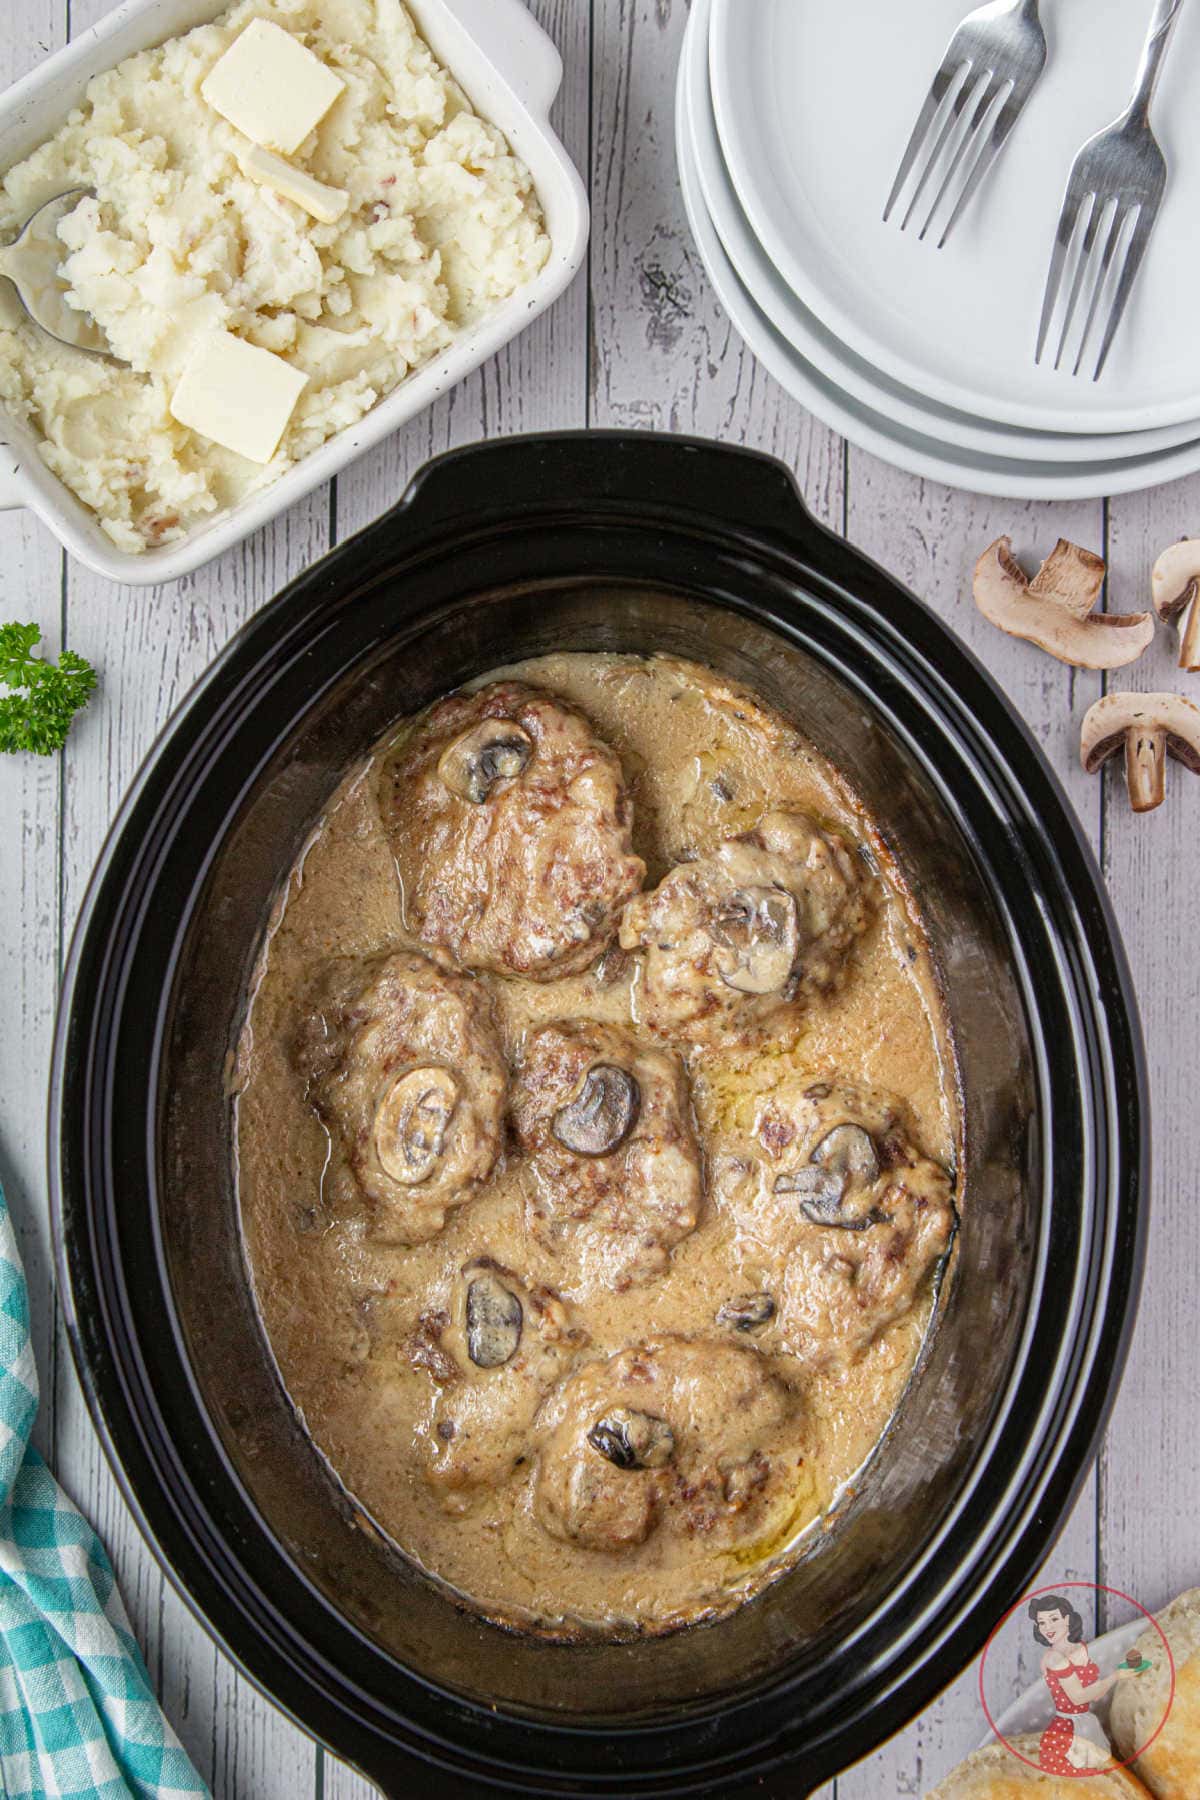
{"points": [[492, 1347], [731, 938], [402, 1065], [614, 1166], [693, 1436], [511, 829], [847, 1213]]}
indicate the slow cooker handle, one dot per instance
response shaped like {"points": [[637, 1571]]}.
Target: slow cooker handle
{"points": [[632, 472], [399, 1784]]}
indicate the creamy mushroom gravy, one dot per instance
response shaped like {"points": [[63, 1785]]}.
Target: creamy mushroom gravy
{"points": [[581, 1420]]}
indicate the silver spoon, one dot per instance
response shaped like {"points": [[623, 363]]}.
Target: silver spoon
{"points": [[33, 263]]}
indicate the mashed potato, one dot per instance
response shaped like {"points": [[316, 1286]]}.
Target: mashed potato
{"points": [[442, 225]]}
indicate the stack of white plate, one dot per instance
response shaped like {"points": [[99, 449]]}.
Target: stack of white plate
{"points": [[791, 119]]}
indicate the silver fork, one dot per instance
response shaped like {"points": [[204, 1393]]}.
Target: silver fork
{"points": [[1119, 177], [987, 74]]}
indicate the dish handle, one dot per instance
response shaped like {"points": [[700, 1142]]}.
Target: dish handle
{"points": [[633, 473], [515, 44], [398, 1784]]}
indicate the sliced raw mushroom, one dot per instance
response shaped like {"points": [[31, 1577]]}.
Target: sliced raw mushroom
{"points": [[748, 1313], [603, 1113], [410, 1125], [1149, 728], [758, 932], [633, 1440], [1056, 609], [843, 1161], [494, 1319], [1175, 584], [495, 751]]}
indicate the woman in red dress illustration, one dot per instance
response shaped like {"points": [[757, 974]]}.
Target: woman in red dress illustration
{"points": [[1073, 1743]]}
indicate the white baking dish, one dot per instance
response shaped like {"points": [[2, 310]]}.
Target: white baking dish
{"points": [[510, 70]]}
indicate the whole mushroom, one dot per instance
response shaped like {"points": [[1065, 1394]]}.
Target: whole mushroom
{"points": [[1056, 609], [1149, 728], [1175, 584]]}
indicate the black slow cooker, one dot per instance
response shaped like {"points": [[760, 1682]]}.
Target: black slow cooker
{"points": [[632, 543]]}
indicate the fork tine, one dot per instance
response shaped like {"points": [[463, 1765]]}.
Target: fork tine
{"points": [[1139, 237], [1116, 232], [983, 98], [953, 118], [972, 144], [1064, 236], [1007, 118], [942, 82], [1096, 208]]}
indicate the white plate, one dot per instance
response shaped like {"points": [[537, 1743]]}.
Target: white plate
{"points": [[814, 104], [806, 334], [868, 429]]}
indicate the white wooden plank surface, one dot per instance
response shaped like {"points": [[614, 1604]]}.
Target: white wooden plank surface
{"points": [[1150, 1469], [152, 645], [29, 897], [641, 342]]}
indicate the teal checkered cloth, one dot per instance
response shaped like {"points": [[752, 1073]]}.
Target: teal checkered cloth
{"points": [[78, 1717]]}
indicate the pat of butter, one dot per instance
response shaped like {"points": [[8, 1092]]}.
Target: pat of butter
{"points": [[238, 395], [271, 87], [316, 197]]}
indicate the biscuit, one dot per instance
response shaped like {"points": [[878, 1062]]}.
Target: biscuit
{"points": [[995, 1774], [1170, 1768]]}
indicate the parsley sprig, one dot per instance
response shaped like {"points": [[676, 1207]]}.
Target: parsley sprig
{"points": [[44, 697]]}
